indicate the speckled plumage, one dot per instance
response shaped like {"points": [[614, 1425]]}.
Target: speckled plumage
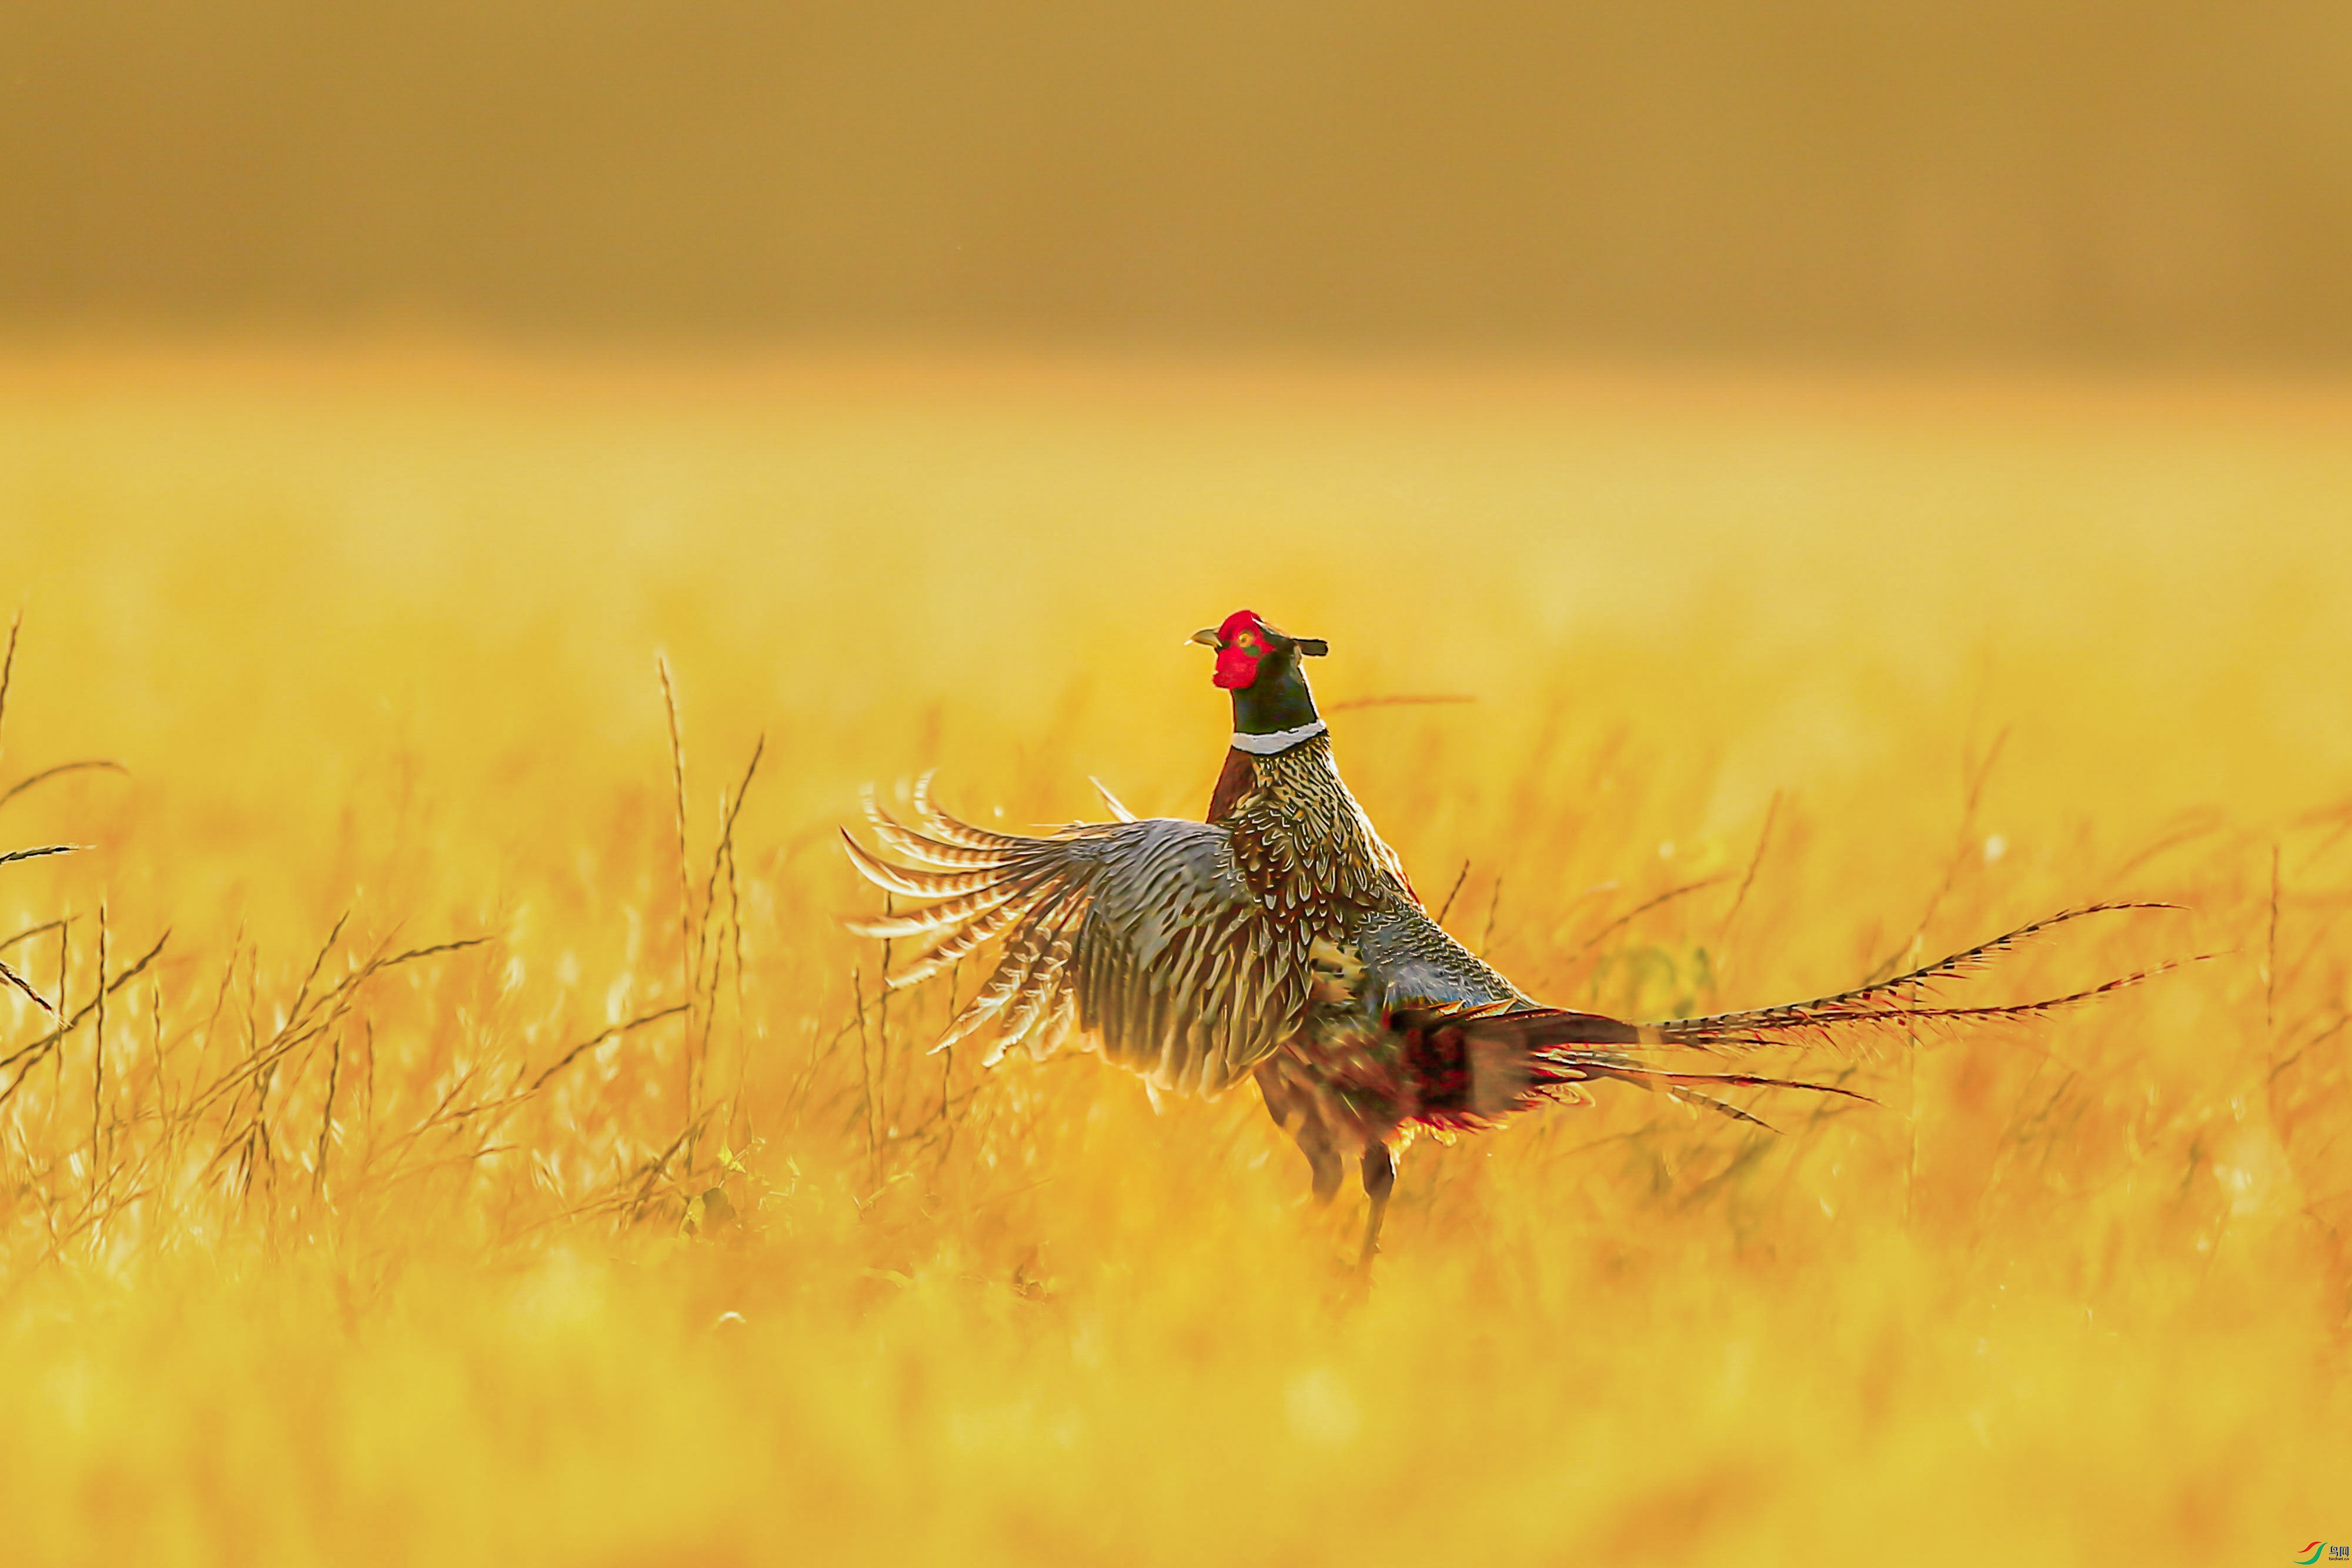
{"points": [[1280, 940]]}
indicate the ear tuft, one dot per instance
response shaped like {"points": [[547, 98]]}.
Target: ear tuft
{"points": [[1313, 647]]}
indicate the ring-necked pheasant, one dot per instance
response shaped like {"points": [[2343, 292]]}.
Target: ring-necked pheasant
{"points": [[1281, 940]]}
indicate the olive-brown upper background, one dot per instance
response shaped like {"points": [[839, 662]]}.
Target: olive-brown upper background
{"points": [[2122, 179]]}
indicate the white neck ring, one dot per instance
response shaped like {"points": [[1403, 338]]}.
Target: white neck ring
{"points": [[1280, 740]]}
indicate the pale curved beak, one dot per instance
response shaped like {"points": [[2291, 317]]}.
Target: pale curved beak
{"points": [[1206, 636]]}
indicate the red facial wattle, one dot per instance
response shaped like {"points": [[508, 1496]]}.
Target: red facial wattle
{"points": [[1241, 643]]}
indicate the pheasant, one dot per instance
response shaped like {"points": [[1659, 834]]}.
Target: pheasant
{"points": [[1280, 940]]}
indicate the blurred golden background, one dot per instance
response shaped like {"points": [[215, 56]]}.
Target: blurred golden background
{"points": [[2106, 178]]}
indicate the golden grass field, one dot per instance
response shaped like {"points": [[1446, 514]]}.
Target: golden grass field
{"points": [[315, 1252]]}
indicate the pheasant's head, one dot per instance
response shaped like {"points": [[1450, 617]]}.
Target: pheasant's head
{"points": [[1248, 647], [1259, 664]]}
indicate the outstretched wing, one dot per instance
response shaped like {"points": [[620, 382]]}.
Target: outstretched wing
{"points": [[1140, 937]]}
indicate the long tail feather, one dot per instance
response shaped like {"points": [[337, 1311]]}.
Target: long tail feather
{"points": [[1583, 1066], [1722, 1108], [1769, 1034], [1530, 1029], [1474, 1067], [1880, 1003]]}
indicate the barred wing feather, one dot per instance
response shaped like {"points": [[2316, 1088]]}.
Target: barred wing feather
{"points": [[1139, 936]]}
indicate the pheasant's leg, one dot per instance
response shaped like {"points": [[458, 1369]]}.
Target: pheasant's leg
{"points": [[1315, 1143], [1379, 1180], [1279, 1101]]}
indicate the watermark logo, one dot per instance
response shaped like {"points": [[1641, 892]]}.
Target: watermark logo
{"points": [[2314, 1551]]}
